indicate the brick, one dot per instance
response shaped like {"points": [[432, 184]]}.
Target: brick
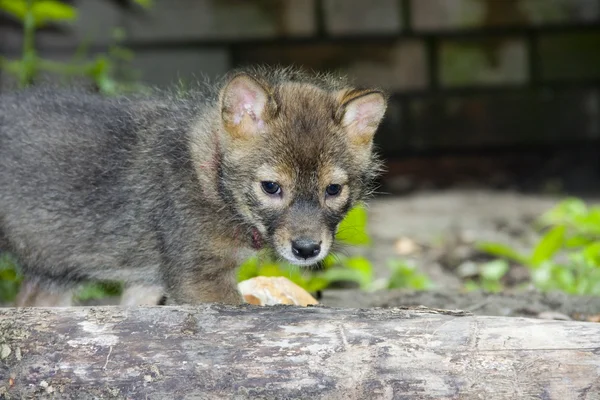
{"points": [[570, 56], [231, 19], [160, 68], [11, 42], [166, 67], [358, 16], [524, 117], [390, 137], [7, 82], [430, 15], [540, 12], [483, 62], [298, 18], [397, 65], [95, 24], [66, 58], [445, 14]]}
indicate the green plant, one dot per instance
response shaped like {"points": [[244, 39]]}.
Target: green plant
{"points": [[406, 275], [567, 257], [98, 290], [34, 14], [490, 277], [10, 278]]}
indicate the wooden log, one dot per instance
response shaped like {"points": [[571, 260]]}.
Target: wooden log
{"points": [[223, 352]]}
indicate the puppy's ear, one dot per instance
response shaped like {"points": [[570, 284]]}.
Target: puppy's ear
{"points": [[244, 103], [360, 113]]}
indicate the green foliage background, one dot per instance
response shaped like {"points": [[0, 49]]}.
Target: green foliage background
{"points": [[567, 256], [101, 70]]}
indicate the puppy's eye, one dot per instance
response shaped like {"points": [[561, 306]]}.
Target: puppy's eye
{"points": [[271, 187], [333, 190]]}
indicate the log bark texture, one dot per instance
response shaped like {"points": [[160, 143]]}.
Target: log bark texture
{"points": [[284, 352]]}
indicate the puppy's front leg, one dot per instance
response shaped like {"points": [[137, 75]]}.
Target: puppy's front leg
{"points": [[32, 294], [208, 284]]}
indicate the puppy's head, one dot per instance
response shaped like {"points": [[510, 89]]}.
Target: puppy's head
{"points": [[296, 157]]}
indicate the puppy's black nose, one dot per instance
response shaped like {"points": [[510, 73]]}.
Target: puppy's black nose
{"points": [[305, 248]]}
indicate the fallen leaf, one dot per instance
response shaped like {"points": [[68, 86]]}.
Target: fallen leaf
{"points": [[405, 246], [263, 291]]}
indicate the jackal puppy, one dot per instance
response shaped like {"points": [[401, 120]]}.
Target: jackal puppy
{"points": [[172, 190]]}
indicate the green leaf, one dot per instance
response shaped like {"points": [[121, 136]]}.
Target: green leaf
{"points": [[8, 274], [578, 241], [494, 270], [270, 270], [592, 254], [316, 283], [355, 269], [94, 291], [16, 8], [353, 229], [491, 286], [248, 270], [565, 279], [542, 275], [360, 264], [329, 261], [405, 275], [144, 3], [589, 223], [43, 11], [503, 251], [419, 282], [52, 11], [565, 211], [471, 286], [10, 278], [338, 274], [548, 245]]}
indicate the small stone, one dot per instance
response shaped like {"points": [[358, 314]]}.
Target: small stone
{"points": [[4, 351], [44, 384], [147, 378], [462, 252], [405, 246], [18, 354], [154, 371], [555, 315], [469, 236], [49, 389], [468, 269]]}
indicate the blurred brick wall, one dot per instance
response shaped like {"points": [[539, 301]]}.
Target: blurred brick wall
{"points": [[464, 74]]}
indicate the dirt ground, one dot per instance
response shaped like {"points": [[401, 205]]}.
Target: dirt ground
{"points": [[439, 229], [509, 304]]}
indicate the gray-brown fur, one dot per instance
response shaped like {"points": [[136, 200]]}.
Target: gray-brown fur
{"points": [[163, 189]]}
